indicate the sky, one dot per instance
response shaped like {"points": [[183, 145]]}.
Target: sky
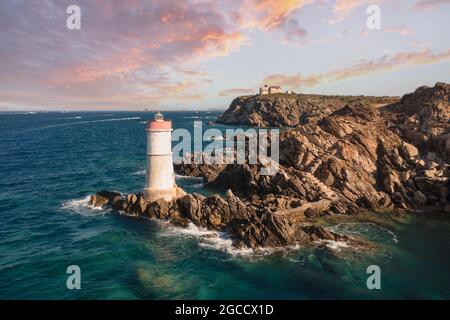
{"points": [[198, 55]]}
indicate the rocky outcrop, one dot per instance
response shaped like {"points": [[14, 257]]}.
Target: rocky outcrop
{"points": [[290, 110], [248, 225], [422, 118], [356, 158], [351, 158]]}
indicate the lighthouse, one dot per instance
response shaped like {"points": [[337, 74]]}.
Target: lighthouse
{"points": [[160, 177]]}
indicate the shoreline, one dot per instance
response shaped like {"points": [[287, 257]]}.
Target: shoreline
{"points": [[348, 159]]}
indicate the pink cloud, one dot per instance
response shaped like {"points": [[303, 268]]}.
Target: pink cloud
{"points": [[403, 30], [425, 5], [385, 63], [344, 7], [236, 92], [269, 15], [133, 42]]}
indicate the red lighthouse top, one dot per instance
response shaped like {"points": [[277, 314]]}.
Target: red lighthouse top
{"points": [[159, 123]]}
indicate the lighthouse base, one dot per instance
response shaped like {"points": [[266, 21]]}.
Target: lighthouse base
{"points": [[165, 194]]}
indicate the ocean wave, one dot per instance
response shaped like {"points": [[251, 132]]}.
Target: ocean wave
{"points": [[84, 122], [25, 112], [200, 185], [117, 119], [221, 241], [82, 206], [69, 118], [208, 239], [140, 173]]}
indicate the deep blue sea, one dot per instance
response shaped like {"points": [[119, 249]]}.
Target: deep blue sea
{"points": [[51, 162]]}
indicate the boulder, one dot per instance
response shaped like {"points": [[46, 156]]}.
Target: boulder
{"points": [[103, 198], [420, 198]]}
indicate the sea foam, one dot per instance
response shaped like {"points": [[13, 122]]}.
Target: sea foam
{"points": [[82, 206], [220, 241], [85, 122], [208, 238]]}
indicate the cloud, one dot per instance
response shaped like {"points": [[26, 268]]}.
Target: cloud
{"points": [[293, 31], [403, 30], [385, 63], [342, 8], [421, 43], [269, 15], [236, 92], [190, 72], [121, 49], [291, 81], [425, 5]]}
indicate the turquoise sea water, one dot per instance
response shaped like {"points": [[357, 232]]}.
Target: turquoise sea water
{"points": [[51, 162]]}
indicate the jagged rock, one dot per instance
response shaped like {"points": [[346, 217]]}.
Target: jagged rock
{"points": [[247, 225], [318, 233], [191, 206], [410, 151], [104, 198], [430, 128], [320, 208], [358, 156], [267, 231], [420, 198], [157, 209]]}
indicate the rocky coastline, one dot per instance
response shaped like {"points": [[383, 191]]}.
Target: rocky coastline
{"points": [[338, 156]]}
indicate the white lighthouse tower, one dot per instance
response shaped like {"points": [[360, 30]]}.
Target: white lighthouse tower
{"points": [[160, 177]]}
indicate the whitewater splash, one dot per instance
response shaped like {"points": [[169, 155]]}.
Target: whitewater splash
{"points": [[140, 173], [335, 245], [82, 206], [208, 238], [220, 241]]}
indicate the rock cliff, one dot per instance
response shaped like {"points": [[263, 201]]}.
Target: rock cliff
{"points": [[356, 158], [290, 110]]}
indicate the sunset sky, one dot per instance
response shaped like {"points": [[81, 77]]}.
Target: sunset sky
{"points": [[197, 55]]}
